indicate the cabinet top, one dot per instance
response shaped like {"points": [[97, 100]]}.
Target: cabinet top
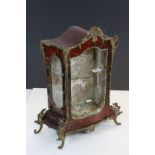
{"points": [[72, 36]]}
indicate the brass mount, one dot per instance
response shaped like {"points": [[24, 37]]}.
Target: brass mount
{"points": [[116, 108], [61, 130], [40, 121]]}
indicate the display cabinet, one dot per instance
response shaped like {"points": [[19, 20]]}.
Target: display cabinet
{"points": [[78, 67]]}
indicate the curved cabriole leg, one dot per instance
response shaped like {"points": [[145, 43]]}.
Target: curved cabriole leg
{"points": [[40, 127], [61, 133], [40, 121], [116, 108], [62, 143], [61, 136]]}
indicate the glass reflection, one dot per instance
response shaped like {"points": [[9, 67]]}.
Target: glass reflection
{"points": [[56, 74], [87, 82]]}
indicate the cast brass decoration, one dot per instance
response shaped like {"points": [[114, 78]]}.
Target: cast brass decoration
{"points": [[40, 121]]}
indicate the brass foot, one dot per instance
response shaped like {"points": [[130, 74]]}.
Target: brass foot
{"points": [[117, 123], [40, 121], [61, 136], [62, 144], [40, 128], [116, 108]]}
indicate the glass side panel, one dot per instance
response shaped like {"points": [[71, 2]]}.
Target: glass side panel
{"points": [[87, 83], [56, 74]]}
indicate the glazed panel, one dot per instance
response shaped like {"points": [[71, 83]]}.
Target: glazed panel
{"points": [[56, 74], [87, 83]]}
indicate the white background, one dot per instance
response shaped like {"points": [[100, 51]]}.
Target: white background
{"points": [[13, 78]]}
